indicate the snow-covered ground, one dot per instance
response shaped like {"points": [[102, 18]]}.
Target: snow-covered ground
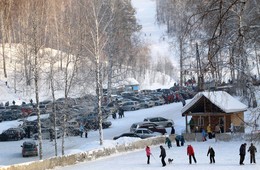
{"points": [[227, 158]]}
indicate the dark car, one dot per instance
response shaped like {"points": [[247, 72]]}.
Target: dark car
{"points": [[130, 134], [72, 131], [29, 148], [11, 134], [154, 128], [94, 125]]}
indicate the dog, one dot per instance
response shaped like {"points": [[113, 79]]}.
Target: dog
{"points": [[170, 160]]}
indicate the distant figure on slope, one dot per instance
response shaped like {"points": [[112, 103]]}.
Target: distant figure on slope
{"points": [[191, 153], [211, 154], [148, 154]]}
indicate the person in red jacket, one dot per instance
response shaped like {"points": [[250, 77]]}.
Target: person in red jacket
{"points": [[148, 154], [190, 153]]}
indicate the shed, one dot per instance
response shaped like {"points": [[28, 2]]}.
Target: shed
{"points": [[131, 84], [217, 108]]}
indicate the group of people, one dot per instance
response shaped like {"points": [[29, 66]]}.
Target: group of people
{"points": [[211, 153], [120, 113], [82, 129], [242, 152]]}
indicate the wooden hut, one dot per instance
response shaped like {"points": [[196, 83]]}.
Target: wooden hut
{"points": [[217, 108]]}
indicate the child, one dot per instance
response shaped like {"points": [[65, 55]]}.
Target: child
{"points": [[168, 142], [148, 153]]}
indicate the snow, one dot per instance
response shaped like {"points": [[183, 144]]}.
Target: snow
{"points": [[221, 99], [227, 158], [152, 33]]}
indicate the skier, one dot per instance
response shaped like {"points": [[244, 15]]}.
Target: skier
{"points": [[252, 150], [242, 153], [148, 154], [168, 142], [211, 154], [190, 153], [162, 155]]}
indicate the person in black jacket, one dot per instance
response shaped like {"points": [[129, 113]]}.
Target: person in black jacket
{"points": [[242, 153], [252, 150], [211, 154], [163, 155]]}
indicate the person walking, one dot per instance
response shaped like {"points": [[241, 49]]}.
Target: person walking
{"points": [[242, 153], [177, 140], [162, 155], [191, 153], [211, 154], [172, 130], [204, 135], [148, 154], [209, 131], [168, 142], [252, 150], [81, 130]]}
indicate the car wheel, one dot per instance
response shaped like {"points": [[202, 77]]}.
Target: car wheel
{"points": [[156, 104], [132, 108], [146, 106], [169, 124]]}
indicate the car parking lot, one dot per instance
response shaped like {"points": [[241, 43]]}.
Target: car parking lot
{"points": [[83, 110]]}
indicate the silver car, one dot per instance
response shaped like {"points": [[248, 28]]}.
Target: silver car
{"points": [[146, 103], [145, 133], [160, 121], [130, 105]]}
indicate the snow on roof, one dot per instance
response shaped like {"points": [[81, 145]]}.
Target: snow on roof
{"points": [[221, 99], [130, 81]]}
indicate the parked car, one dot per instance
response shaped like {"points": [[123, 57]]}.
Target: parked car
{"points": [[131, 105], [29, 148], [160, 121], [135, 126], [9, 115], [46, 133], [94, 124], [144, 103], [129, 134], [154, 127], [72, 131], [145, 133], [111, 107], [11, 134], [158, 101]]}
